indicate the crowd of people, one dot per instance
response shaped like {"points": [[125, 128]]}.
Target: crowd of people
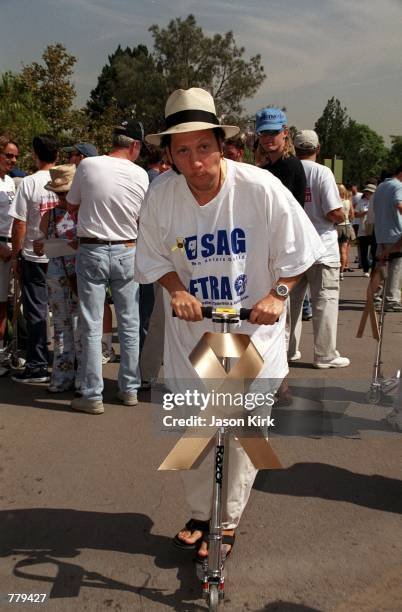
{"points": [[210, 230]]}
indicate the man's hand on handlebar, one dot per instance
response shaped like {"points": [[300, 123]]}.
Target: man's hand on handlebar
{"points": [[267, 311], [186, 306]]}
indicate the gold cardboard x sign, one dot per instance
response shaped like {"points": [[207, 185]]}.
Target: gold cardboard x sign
{"points": [[205, 360]]}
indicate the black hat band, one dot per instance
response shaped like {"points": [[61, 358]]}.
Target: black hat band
{"points": [[190, 116]]}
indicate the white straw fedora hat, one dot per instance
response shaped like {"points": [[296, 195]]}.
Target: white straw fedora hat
{"points": [[188, 110]]}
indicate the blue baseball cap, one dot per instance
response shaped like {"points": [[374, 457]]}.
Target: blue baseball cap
{"points": [[84, 148], [270, 119]]}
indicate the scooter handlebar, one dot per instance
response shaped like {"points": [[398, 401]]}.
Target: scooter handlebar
{"points": [[207, 313], [205, 310]]}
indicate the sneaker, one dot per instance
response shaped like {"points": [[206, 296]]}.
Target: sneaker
{"points": [[59, 388], [393, 308], [108, 355], [337, 362], [295, 357], [82, 404], [366, 274], [307, 317], [128, 399], [29, 376], [341, 276]]}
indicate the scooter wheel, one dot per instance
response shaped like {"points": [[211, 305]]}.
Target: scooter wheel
{"points": [[213, 598], [374, 396]]}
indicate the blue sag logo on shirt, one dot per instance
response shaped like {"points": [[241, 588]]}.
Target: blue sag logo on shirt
{"points": [[220, 244], [223, 246]]}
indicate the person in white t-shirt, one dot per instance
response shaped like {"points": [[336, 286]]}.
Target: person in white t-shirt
{"points": [[356, 195], [30, 198], [218, 233], [324, 209], [109, 190], [365, 233], [8, 159]]}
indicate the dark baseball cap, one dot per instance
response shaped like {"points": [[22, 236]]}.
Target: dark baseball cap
{"points": [[131, 128], [85, 148]]}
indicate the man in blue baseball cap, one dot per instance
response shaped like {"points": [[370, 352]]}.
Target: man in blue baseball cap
{"points": [[80, 151], [274, 138]]}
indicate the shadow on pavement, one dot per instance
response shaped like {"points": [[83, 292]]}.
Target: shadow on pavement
{"points": [[287, 606], [36, 395], [333, 483], [345, 304], [56, 537]]}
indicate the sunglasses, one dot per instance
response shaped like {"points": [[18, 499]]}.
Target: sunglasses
{"points": [[10, 155], [270, 132]]}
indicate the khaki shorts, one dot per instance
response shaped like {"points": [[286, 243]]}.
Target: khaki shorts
{"points": [[345, 233]]}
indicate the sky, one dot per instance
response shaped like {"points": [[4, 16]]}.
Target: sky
{"points": [[311, 49]]}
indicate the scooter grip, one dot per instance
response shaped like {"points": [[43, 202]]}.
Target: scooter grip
{"points": [[205, 310], [245, 314]]}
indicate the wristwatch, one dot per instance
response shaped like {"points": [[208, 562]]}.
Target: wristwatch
{"points": [[281, 290]]}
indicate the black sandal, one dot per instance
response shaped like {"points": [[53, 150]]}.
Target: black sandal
{"points": [[192, 525], [226, 539]]}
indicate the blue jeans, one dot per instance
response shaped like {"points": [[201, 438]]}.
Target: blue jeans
{"points": [[98, 265], [34, 300]]}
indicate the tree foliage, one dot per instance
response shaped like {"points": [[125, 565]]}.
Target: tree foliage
{"points": [[183, 57], [365, 153], [188, 58], [331, 127], [50, 86], [395, 153], [361, 148], [20, 117]]}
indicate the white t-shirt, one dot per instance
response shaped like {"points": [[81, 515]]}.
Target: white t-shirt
{"points": [[363, 205], [229, 252], [110, 192], [355, 199], [322, 196], [7, 193], [30, 197]]}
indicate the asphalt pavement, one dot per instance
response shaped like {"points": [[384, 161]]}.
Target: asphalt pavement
{"points": [[87, 520]]}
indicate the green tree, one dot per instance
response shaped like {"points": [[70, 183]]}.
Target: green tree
{"points": [[20, 116], [97, 130], [395, 153], [365, 153], [331, 127], [132, 85], [51, 87], [361, 148], [183, 57], [188, 58]]}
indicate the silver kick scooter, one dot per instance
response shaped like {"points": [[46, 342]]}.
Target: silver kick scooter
{"points": [[213, 579]]}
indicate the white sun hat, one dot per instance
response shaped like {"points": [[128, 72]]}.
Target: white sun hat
{"points": [[189, 110]]}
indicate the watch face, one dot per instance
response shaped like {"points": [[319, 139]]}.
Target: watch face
{"points": [[282, 290]]}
